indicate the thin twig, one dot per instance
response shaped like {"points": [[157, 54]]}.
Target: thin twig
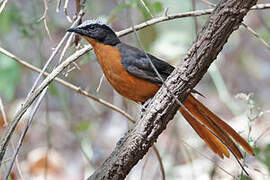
{"points": [[48, 137], [160, 162], [58, 5], [260, 15], [4, 3], [2, 110], [78, 6], [68, 44], [208, 3], [146, 8], [65, 11], [100, 83], [43, 18], [196, 24], [222, 90], [46, 27], [144, 165], [256, 35], [261, 135]]}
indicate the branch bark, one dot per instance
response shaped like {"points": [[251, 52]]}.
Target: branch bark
{"points": [[226, 18]]}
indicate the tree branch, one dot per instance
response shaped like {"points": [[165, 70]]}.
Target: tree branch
{"points": [[225, 18]]}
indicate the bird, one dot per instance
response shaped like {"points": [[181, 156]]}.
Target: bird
{"points": [[130, 73]]}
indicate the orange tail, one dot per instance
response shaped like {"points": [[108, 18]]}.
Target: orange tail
{"points": [[215, 132]]}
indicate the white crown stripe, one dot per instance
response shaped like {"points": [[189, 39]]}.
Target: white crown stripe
{"points": [[91, 21]]}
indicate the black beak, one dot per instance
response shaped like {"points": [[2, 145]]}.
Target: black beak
{"points": [[75, 29]]}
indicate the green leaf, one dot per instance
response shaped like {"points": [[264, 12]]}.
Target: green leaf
{"points": [[9, 76], [83, 126]]}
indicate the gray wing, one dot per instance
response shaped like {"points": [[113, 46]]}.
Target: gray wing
{"points": [[137, 63]]}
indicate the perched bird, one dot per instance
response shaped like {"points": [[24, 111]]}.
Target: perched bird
{"points": [[129, 71]]}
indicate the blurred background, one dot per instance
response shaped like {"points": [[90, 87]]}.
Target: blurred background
{"points": [[71, 134]]}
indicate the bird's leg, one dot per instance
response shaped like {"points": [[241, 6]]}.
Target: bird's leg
{"points": [[144, 106]]}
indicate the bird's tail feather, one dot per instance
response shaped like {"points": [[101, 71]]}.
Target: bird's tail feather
{"points": [[215, 132]]}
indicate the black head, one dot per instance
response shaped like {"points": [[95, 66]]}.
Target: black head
{"points": [[97, 30]]}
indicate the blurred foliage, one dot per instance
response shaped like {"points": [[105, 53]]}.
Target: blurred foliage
{"points": [[244, 177], [264, 155], [53, 90], [267, 156], [9, 76], [83, 126], [155, 8], [10, 18]]}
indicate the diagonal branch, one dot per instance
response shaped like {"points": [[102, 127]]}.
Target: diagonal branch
{"points": [[225, 18]]}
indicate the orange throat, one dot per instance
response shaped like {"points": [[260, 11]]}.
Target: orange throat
{"points": [[109, 59]]}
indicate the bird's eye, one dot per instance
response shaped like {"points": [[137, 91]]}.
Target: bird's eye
{"points": [[91, 27]]}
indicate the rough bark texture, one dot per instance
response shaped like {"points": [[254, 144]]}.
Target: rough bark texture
{"points": [[226, 18]]}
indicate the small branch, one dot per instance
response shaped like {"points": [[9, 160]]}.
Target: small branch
{"points": [[4, 3], [196, 23], [65, 11], [263, 22], [68, 43], [78, 6], [261, 135], [58, 5], [256, 35], [100, 83], [43, 18], [208, 3], [160, 162], [146, 8]]}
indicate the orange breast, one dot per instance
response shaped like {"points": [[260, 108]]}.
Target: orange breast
{"points": [[124, 83]]}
